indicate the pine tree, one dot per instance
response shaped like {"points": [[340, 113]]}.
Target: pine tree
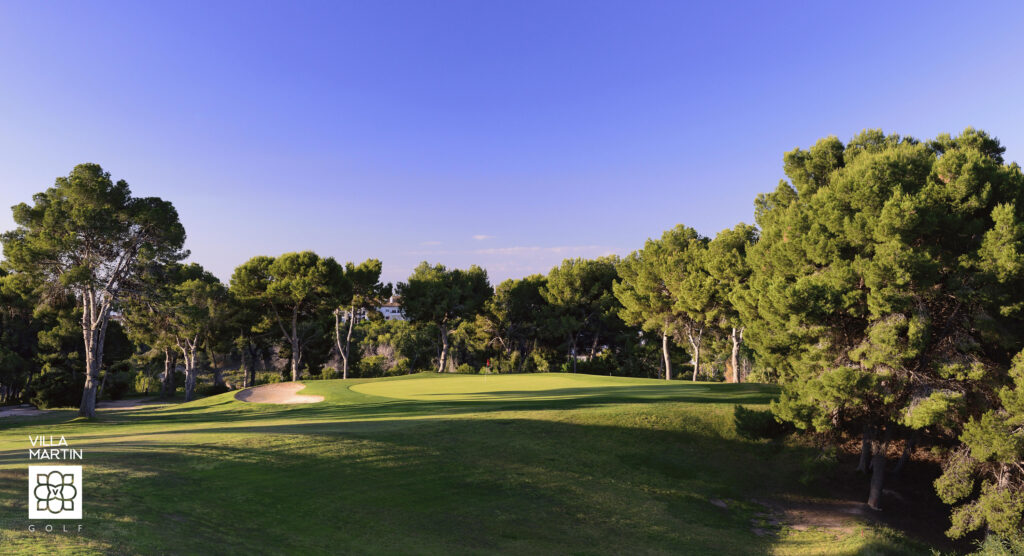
{"points": [[883, 287]]}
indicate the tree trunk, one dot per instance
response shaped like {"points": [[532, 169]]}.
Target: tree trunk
{"points": [[218, 370], [103, 383], [593, 347], [296, 347], [188, 351], [295, 358], [908, 450], [695, 345], [88, 406], [94, 326], [244, 368], [696, 363], [444, 349], [572, 352], [344, 351], [348, 341], [865, 450], [167, 388], [254, 357], [337, 343], [737, 338], [664, 353], [878, 463]]}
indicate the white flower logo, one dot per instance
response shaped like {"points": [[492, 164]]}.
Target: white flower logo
{"points": [[55, 492]]}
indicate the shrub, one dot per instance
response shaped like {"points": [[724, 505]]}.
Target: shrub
{"points": [[401, 367], [540, 364], [118, 384], [755, 424], [328, 373], [146, 383], [212, 389], [994, 545], [373, 366], [465, 369], [817, 465], [56, 388], [268, 378]]}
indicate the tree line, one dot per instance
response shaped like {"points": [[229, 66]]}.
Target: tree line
{"points": [[880, 286]]}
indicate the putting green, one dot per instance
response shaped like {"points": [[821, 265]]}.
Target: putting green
{"points": [[555, 386]]}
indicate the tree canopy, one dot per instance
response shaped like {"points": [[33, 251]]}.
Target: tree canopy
{"points": [[444, 297], [291, 289], [885, 286], [87, 235]]}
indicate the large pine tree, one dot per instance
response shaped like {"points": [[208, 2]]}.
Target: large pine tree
{"points": [[884, 291]]}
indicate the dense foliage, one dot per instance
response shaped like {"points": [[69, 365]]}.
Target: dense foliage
{"points": [[886, 292]]}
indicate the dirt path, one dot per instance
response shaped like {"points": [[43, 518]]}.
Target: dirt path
{"points": [[835, 515], [280, 393], [26, 410], [20, 411]]}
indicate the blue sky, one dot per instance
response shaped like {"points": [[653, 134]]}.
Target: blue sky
{"points": [[508, 134]]}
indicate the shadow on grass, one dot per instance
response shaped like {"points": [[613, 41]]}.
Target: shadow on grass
{"points": [[370, 407], [444, 486], [362, 473]]}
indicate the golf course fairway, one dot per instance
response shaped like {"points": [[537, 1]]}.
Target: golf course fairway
{"points": [[430, 464]]}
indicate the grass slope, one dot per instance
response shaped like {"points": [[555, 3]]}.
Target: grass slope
{"points": [[427, 464]]}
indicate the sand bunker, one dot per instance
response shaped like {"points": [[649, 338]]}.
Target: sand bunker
{"points": [[280, 393]]}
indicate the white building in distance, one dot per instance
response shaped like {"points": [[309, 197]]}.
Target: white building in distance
{"points": [[392, 310]]}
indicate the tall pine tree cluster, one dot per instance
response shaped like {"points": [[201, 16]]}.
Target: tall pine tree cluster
{"points": [[886, 291]]}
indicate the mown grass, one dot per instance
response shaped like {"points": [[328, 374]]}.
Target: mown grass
{"points": [[522, 464]]}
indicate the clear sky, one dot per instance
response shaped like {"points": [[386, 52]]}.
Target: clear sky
{"points": [[511, 134]]}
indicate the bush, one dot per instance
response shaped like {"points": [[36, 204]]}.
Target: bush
{"points": [[821, 464], [683, 371], [145, 383], [994, 545], [268, 378], [401, 368], [540, 364], [328, 373], [755, 424], [118, 384], [372, 366], [212, 389], [600, 365], [56, 388], [465, 369]]}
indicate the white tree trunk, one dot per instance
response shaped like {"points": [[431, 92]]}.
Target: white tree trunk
{"points": [[344, 350], [337, 343], [737, 339], [167, 385], [664, 353], [94, 329], [444, 349], [695, 341], [93, 358], [296, 347], [189, 348], [348, 340]]}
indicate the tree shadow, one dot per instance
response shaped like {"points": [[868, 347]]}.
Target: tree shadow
{"points": [[443, 486]]}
